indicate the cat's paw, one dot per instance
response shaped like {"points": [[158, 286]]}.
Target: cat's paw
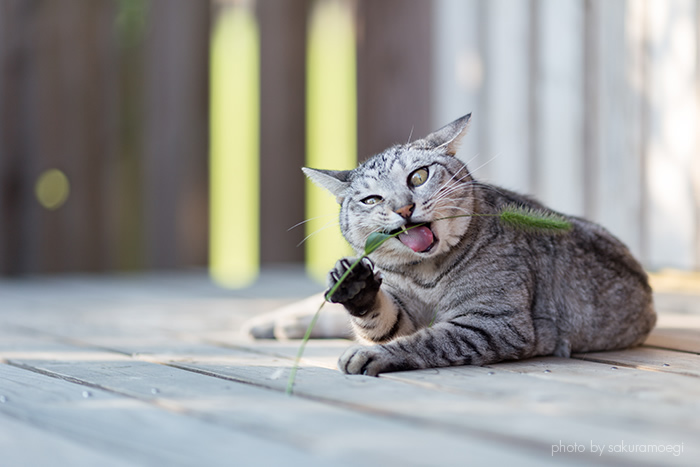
{"points": [[358, 292], [368, 360]]}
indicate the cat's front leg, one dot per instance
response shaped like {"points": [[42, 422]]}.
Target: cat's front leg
{"points": [[477, 338], [374, 315]]}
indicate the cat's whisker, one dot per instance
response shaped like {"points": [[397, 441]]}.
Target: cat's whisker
{"points": [[330, 224], [487, 186], [311, 219], [438, 189], [457, 208], [446, 188], [486, 163], [468, 163], [451, 189]]}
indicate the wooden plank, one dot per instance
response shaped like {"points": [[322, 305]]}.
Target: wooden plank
{"points": [[649, 359], [458, 72], [59, 96], [627, 383], [71, 101], [12, 69], [563, 405], [560, 107], [176, 133], [80, 102], [672, 122], [485, 392], [613, 162], [507, 95], [19, 440], [630, 384], [680, 330], [320, 429], [20, 211], [282, 127], [98, 419], [483, 395], [511, 404], [393, 60], [295, 421], [482, 410], [685, 340]]}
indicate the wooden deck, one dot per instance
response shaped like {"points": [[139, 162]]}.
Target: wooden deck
{"points": [[151, 370]]}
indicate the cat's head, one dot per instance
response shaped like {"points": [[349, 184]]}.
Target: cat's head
{"points": [[405, 185]]}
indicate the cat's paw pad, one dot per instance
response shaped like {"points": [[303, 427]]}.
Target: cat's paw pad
{"points": [[359, 289], [367, 360]]}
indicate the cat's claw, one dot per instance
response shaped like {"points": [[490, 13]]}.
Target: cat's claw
{"points": [[358, 292], [368, 360]]}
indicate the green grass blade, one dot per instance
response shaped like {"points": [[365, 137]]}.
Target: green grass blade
{"points": [[524, 218], [375, 240], [300, 352]]}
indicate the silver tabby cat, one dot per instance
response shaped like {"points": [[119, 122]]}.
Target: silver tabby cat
{"points": [[469, 290]]}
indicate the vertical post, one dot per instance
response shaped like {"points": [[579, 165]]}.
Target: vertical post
{"points": [[175, 133], [58, 98], [282, 128], [234, 140], [560, 97], [394, 73], [125, 225], [614, 94], [458, 70], [507, 123], [672, 142], [695, 162], [331, 124], [14, 154]]}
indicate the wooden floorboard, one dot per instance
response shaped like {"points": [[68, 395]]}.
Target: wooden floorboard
{"points": [[153, 371], [19, 441]]}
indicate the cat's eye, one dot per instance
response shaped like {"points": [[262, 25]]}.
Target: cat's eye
{"points": [[418, 177], [370, 200]]}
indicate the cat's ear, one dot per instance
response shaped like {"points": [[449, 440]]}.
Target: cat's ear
{"points": [[448, 137], [335, 181]]}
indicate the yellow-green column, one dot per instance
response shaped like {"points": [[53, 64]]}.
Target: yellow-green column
{"points": [[331, 125], [234, 142]]}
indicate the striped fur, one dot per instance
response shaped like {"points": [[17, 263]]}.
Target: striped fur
{"points": [[483, 293]]}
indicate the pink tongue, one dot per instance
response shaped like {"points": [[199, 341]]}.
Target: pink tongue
{"points": [[417, 239]]}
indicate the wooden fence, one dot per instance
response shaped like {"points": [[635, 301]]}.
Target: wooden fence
{"points": [[114, 95], [591, 105]]}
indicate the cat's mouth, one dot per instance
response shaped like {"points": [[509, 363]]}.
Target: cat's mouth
{"points": [[418, 237]]}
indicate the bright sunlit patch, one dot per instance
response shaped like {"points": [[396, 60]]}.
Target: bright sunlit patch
{"points": [[331, 126], [234, 159], [52, 189]]}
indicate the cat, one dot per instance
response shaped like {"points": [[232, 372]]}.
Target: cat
{"points": [[471, 290]]}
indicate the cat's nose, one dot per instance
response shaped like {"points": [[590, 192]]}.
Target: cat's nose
{"points": [[405, 211]]}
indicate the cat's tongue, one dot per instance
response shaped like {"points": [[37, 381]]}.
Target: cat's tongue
{"points": [[417, 239]]}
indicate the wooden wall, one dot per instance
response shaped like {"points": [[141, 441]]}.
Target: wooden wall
{"points": [[113, 94], [591, 105]]}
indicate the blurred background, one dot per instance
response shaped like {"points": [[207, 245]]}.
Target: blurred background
{"points": [[169, 134]]}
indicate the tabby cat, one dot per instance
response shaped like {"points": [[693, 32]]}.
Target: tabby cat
{"points": [[470, 290]]}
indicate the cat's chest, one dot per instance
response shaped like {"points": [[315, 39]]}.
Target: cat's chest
{"points": [[426, 290]]}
